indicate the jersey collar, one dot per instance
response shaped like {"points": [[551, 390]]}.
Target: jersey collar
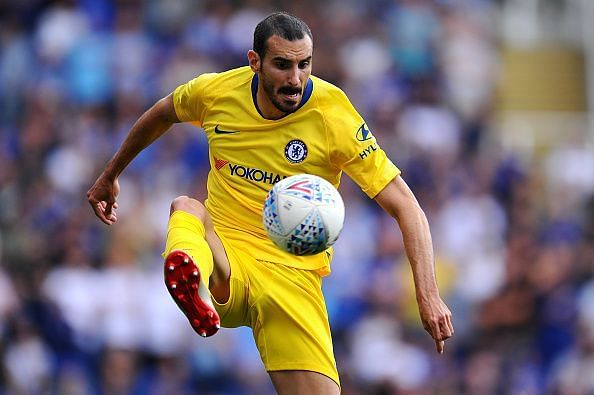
{"points": [[306, 94]]}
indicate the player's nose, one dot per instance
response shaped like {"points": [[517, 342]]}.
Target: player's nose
{"points": [[294, 77]]}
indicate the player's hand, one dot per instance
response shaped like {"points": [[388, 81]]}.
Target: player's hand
{"points": [[437, 321], [102, 197]]}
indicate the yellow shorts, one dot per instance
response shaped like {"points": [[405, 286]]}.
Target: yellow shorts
{"points": [[283, 305], [285, 308]]}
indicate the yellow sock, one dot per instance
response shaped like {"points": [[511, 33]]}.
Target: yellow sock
{"points": [[187, 233]]}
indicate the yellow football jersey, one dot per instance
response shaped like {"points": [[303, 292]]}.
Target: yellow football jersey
{"points": [[249, 153]]}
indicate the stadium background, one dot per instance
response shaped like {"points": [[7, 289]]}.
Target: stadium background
{"points": [[483, 104]]}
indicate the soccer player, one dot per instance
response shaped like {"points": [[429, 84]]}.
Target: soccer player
{"points": [[264, 122]]}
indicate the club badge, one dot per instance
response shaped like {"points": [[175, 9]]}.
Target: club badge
{"points": [[296, 151]]}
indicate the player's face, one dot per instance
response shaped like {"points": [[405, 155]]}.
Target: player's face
{"points": [[282, 75]]}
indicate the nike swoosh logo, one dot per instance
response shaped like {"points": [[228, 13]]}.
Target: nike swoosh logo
{"points": [[221, 131]]}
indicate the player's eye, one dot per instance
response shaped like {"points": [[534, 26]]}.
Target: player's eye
{"points": [[282, 65], [304, 64]]}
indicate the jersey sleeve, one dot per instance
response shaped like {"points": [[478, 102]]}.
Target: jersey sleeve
{"points": [[190, 99], [354, 149]]}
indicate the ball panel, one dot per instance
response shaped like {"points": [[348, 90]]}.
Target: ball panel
{"points": [[270, 216], [309, 237], [291, 211], [333, 218]]}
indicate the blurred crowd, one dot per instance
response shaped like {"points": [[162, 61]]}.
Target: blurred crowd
{"points": [[83, 309]]}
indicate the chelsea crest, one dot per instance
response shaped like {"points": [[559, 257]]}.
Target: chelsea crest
{"points": [[296, 151]]}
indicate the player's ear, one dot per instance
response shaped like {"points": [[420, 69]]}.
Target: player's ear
{"points": [[253, 60]]}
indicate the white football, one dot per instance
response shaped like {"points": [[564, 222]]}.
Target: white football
{"points": [[303, 214]]}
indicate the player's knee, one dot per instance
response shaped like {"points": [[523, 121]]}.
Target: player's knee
{"points": [[189, 205]]}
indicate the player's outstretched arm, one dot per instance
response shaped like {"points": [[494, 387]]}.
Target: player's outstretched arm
{"points": [[398, 200], [150, 126]]}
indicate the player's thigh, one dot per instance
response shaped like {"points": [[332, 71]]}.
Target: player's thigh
{"points": [[234, 311], [301, 382], [221, 273], [290, 322]]}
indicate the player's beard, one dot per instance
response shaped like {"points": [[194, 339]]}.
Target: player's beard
{"points": [[275, 95]]}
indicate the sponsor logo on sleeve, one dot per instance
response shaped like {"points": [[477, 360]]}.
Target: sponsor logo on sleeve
{"points": [[371, 148], [363, 133]]}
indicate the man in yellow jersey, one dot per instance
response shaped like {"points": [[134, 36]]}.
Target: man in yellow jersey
{"points": [[264, 122]]}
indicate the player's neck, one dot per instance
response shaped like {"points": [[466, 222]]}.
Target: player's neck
{"points": [[267, 109]]}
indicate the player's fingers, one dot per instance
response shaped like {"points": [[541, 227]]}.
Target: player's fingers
{"points": [[108, 207], [432, 327], [99, 210], [101, 205], [112, 217], [440, 345], [449, 323], [110, 214], [445, 330], [439, 329]]}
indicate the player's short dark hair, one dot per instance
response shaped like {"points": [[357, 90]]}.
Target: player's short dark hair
{"points": [[281, 24]]}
